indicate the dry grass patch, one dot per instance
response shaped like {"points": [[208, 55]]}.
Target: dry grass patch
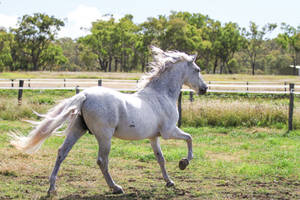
{"points": [[224, 112]]}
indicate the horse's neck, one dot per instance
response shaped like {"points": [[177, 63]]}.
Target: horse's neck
{"points": [[168, 84]]}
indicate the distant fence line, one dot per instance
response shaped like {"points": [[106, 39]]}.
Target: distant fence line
{"points": [[288, 89], [264, 87]]}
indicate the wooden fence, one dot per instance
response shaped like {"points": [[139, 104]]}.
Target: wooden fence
{"points": [[132, 86]]}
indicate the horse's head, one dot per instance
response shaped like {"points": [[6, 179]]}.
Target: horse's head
{"points": [[193, 77]]}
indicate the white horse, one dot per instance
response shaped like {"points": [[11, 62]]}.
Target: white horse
{"points": [[147, 114]]}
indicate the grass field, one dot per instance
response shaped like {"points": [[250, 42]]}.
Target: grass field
{"points": [[241, 150], [230, 163]]}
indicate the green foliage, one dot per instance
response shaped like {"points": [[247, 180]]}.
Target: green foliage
{"points": [[290, 41], [5, 56], [52, 57], [123, 46], [32, 47], [254, 39]]}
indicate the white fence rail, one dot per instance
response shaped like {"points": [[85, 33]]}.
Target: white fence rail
{"points": [[131, 86], [263, 87]]}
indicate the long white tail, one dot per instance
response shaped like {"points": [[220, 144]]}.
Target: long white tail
{"points": [[55, 118]]}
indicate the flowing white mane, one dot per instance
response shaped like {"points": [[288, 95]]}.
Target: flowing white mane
{"points": [[161, 62]]}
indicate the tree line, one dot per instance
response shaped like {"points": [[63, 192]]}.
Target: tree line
{"points": [[123, 46]]}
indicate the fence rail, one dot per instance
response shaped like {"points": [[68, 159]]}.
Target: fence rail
{"points": [[264, 87], [131, 86]]}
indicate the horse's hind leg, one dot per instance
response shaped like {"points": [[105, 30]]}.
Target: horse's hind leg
{"points": [[104, 140], [161, 160], [76, 131]]}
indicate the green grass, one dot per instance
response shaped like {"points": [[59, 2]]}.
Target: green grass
{"points": [[229, 163], [240, 145]]}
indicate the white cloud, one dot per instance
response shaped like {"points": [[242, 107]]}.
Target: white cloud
{"points": [[7, 21], [79, 21]]}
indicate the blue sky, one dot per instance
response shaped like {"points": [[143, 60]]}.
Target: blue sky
{"points": [[80, 13]]}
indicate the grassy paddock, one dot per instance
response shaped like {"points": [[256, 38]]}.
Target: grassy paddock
{"points": [[247, 110], [229, 163], [241, 151], [226, 110]]}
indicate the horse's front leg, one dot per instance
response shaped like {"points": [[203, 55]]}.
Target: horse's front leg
{"points": [[161, 161], [177, 133]]}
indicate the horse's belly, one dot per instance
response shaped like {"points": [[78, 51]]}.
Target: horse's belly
{"points": [[135, 131]]}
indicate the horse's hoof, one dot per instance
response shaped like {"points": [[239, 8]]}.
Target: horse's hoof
{"points": [[118, 190], [170, 184], [183, 163]]}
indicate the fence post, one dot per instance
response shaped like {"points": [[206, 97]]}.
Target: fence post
{"points": [[64, 82], [29, 83], [179, 109], [291, 106], [285, 86], [100, 82], [12, 82], [191, 96], [77, 89], [20, 93], [247, 86]]}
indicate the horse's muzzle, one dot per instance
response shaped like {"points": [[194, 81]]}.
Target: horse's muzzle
{"points": [[202, 90]]}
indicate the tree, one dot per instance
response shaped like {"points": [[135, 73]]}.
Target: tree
{"points": [[103, 42], [33, 36], [52, 57], [210, 50], [128, 35], [254, 41], [180, 35], [228, 43], [290, 41], [71, 50], [151, 32], [5, 55]]}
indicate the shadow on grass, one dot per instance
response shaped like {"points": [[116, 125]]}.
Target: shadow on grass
{"points": [[102, 196], [144, 194]]}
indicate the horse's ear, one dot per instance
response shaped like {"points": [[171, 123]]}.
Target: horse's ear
{"points": [[156, 50]]}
